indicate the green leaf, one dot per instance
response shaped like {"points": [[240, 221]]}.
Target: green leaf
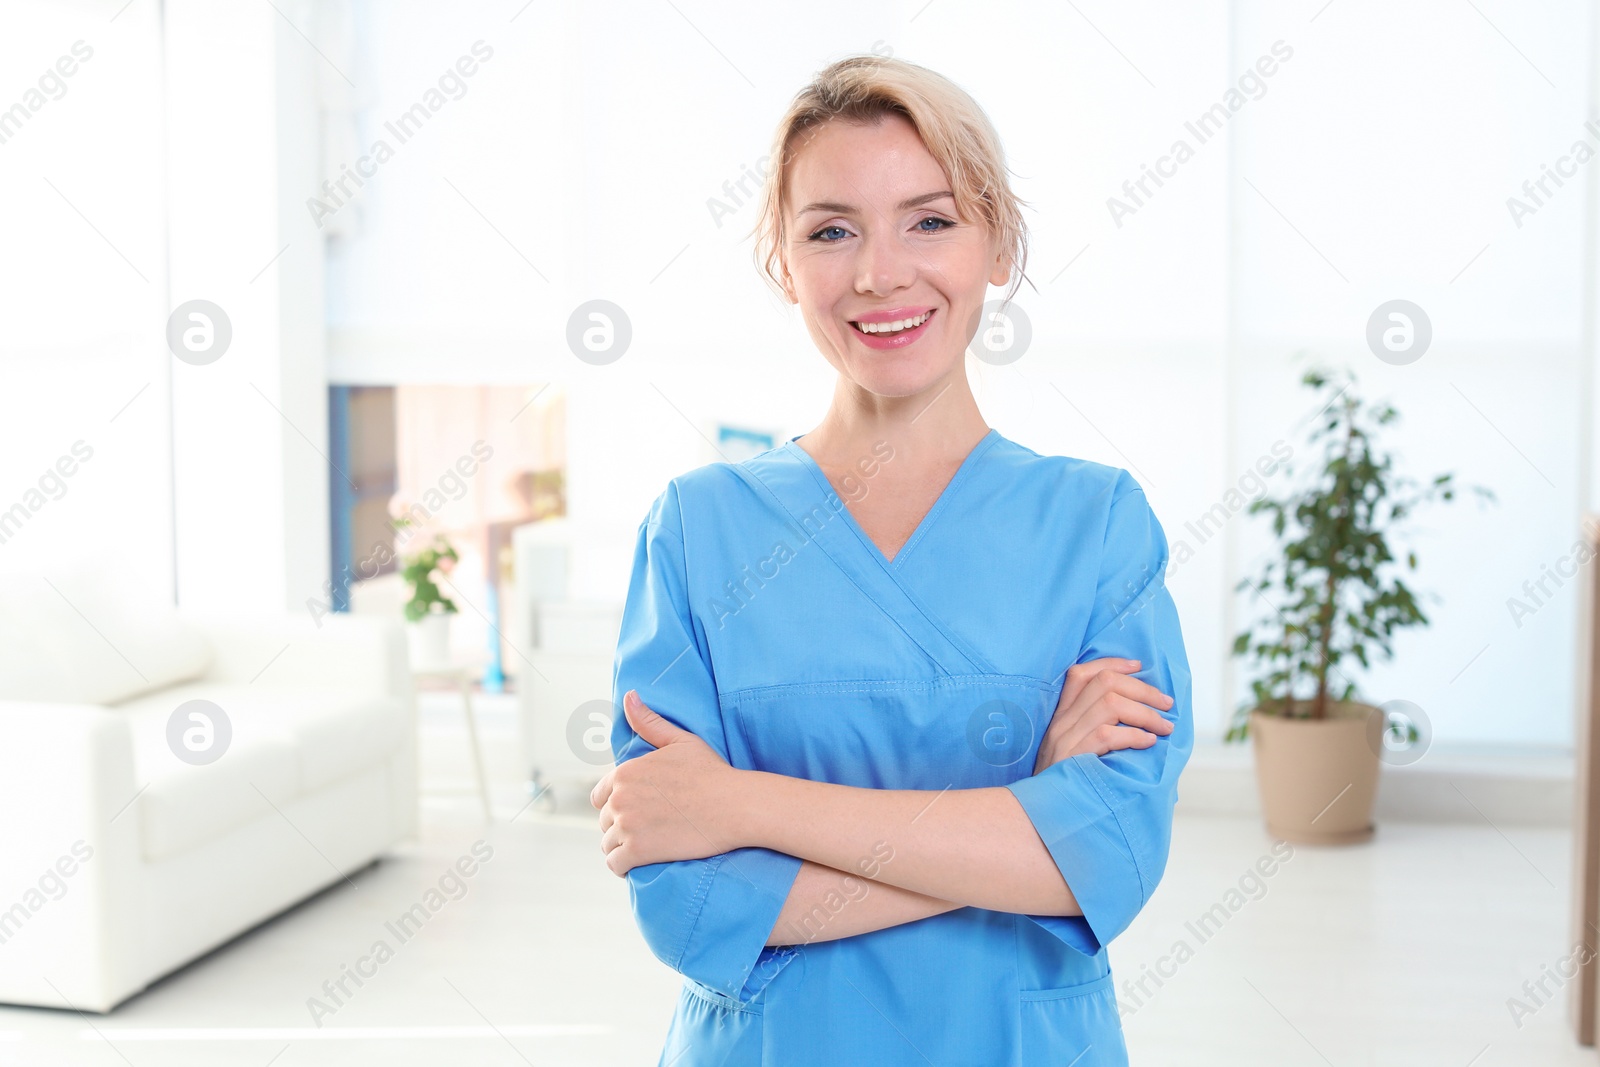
{"points": [[1339, 598]]}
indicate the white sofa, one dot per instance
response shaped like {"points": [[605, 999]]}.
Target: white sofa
{"points": [[119, 861]]}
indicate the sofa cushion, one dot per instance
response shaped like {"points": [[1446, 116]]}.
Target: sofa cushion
{"points": [[191, 806], [88, 636], [286, 743]]}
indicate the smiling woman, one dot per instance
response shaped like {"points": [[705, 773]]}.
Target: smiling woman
{"points": [[895, 807]]}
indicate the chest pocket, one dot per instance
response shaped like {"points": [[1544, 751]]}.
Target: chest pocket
{"points": [[961, 732]]}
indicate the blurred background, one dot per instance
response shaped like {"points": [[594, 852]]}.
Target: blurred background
{"points": [[346, 343]]}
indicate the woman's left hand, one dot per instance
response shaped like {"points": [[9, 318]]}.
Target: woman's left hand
{"points": [[1102, 709], [670, 804]]}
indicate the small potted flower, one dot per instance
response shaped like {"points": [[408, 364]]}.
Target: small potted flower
{"points": [[1332, 598], [428, 610]]}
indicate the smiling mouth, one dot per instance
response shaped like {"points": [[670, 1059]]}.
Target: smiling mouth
{"points": [[889, 329]]}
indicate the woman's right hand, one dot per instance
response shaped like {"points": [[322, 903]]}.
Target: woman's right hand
{"points": [[1103, 709]]}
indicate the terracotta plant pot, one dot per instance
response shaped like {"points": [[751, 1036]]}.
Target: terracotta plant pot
{"points": [[1318, 778]]}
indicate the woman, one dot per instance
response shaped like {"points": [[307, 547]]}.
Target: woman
{"points": [[905, 702]]}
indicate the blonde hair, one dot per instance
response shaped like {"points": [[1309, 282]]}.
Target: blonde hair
{"points": [[864, 89]]}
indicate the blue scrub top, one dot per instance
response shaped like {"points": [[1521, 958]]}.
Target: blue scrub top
{"points": [[761, 618]]}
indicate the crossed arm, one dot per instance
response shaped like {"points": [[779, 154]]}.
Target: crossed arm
{"points": [[921, 852], [810, 912], [949, 849]]}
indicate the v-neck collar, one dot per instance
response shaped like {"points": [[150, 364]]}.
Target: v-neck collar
{"points": [[806, 460]]}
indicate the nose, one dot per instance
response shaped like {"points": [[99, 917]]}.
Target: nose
{"points": [[886, 264]]}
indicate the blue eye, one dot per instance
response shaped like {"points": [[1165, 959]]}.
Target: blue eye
{"points": [[944, 224], [818, 235]]}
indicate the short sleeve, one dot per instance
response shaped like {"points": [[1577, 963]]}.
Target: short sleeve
{"points": [[708, 919], [1107, 820]]}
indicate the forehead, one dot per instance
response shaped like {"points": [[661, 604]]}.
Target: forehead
{"points": [[850, 163]]}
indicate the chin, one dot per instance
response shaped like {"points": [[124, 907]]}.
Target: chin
{"points": [[897, 378]]}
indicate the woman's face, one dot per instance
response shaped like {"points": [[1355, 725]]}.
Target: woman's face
{"points": [[874, 238]]}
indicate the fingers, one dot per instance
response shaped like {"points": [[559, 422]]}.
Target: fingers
{"points": [[1116, 738], [1102, 709], [619, 851], [602, 790], [1132, 688], [1104, 738], [1112, 696], [1130, 712], [618, 859], [1079, 675], [650, 725]]}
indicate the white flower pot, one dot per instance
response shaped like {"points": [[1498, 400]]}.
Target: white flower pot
{"points": [[429, 640]]}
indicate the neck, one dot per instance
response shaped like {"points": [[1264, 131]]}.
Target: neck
{"points": [[938, 425]]}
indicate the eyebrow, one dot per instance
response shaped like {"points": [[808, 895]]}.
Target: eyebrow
{"points": [[833, 207]]}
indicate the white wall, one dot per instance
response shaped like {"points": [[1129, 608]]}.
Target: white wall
{"points": [[1394, 163], [83, 292], [156, 179], [1369, 169], [579, 162], [250, 429]]}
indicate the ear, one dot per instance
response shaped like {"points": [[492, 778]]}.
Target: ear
{"points": [[1002, 269]]}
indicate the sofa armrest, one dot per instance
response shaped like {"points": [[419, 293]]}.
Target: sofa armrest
{"points": [[70, 933]]}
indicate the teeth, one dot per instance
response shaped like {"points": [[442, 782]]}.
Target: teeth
{"points": [[892, 327]]}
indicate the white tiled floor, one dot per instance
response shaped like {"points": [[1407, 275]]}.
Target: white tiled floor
{"points": [[1402, 952]]}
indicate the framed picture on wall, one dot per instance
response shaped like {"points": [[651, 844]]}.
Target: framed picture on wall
{"points": [[738, 443]]}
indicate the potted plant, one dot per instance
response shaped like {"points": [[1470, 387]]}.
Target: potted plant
{"points": [[428, 610], [1335, 595]]}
